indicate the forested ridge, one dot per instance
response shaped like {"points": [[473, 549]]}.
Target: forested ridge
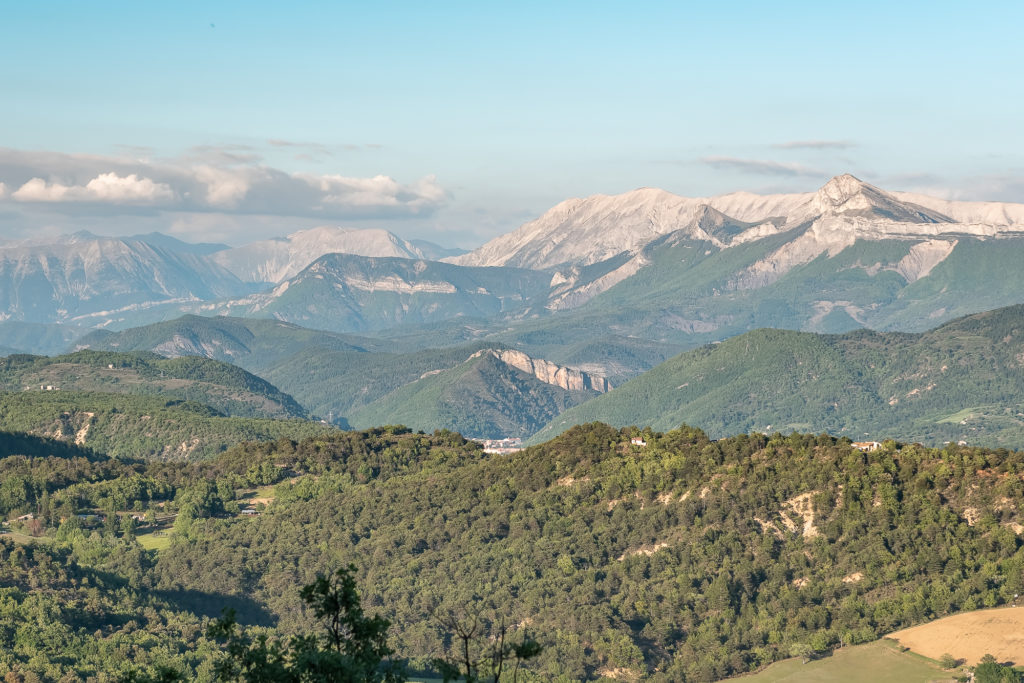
{"points": [[961, 381], [140, 426], [224, 387], [685, 559]]}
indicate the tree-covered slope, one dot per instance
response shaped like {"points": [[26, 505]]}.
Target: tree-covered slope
{"points": [[77, 610], [337, 376], [960, 381], [342, 382], [482, 397], [122, 425], [681, 560], [224, 387]]}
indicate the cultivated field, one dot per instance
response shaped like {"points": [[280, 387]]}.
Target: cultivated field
{"points": [[970, 636], [877, 662]]}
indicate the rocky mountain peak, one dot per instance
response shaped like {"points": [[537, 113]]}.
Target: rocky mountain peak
{"points": [[842, 188], [848, 195]]}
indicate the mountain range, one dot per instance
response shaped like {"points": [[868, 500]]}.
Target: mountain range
{"points": [[606, 287], [715, 267], [590, 230]]}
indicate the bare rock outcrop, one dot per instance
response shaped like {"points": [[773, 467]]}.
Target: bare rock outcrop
{"points": [[569, 379]]}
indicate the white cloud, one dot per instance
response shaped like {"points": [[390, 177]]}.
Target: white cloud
{"points": [[376, 191], [111, 187], [106, 187], [429, 190], [379, 191], [225, 188]]}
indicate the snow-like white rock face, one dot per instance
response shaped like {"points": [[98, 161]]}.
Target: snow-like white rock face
{"points": [[585, 231], [393, 283], [277, 260], [565, 294], [923, 257], [832, 234], [971, 213]]}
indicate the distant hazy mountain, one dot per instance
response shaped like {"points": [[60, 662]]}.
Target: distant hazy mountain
{"points": [[279, 259], [97, 281], [21, 337], [435, 252], [349, 293], [84, 276], [158, 239], [840, 261], [960, 381]]}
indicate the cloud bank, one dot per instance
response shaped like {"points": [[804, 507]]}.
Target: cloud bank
{"points": [[228, 180]]}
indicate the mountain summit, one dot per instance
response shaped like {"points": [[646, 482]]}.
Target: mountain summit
{"points": [[847, 195]]}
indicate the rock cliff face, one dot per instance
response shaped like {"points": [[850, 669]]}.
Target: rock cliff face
{"points": [[569, 379]]}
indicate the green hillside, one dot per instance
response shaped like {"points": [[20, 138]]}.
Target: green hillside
{"points": [[341, 382], [328, 373], [332, 294], [340, 376], [482, 398], [877, 662], [681, 560], [224, 387], [252, 343], [121, 425], [960, 381]]}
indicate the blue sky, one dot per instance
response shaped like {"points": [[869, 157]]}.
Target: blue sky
{"points": [[459, 121]]}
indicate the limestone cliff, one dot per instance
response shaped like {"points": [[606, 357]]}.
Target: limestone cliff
{"points": [[569, 379]]}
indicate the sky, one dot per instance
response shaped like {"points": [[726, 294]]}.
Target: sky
{"points": [[456, 122]]}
